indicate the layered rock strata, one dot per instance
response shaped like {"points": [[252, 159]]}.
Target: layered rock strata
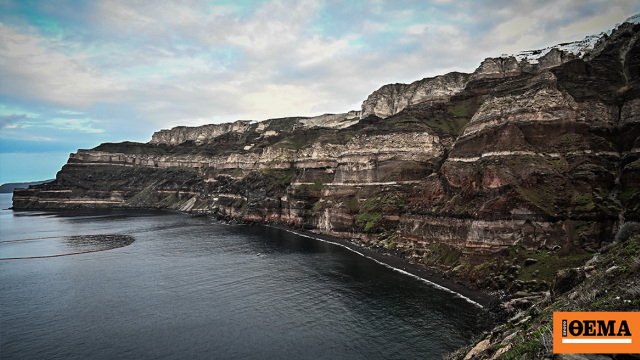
{"points": [[446, 171], [393, 98], [272, 127]]}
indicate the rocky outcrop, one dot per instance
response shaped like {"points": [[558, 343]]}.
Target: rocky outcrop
{"points": [[565, 280], [272, 127], [509, 66], [199, 134], [536, 61], [451, 171], [497, 68], [333, 121], [391, 99], [526, 331]]}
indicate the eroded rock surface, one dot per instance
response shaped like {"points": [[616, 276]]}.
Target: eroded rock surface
{"points": [[393, 98], [447, 171]]}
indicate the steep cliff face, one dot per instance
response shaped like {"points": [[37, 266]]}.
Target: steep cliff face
{"points": [[536, 61], [393, 98], [244, 128], [180, 134], [448, 171]]}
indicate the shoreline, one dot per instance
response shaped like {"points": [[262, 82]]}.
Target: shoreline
{"points": [[433, 277]]}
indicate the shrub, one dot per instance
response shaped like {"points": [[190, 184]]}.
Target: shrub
{"points": [[627, 231], [352, 204]]}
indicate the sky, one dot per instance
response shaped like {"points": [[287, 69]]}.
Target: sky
{"points": [[74, 74]]}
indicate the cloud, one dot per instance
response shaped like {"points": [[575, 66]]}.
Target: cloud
{"points": [[84, 125], [16, 133], [118, 70], [275, 100], [37, 138], [189, 61], [522, 25], [417, 29], [596, 23], [31, 69], [513, 29], [9, 121]]}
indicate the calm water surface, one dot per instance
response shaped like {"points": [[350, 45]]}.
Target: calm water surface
{"points": [[193, 288]]}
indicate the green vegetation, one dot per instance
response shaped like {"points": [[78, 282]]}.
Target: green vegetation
{"points": [[352, 204], [442, 254], [483, 266], [169, 201], [584, 202], [392, 237], [548, 262], [145, 198], [630, 194], [240, 204], [559, 165], [631, 199], [581, 231], [611, 283], [282, 124], [368, 220], [542, 197], [278, 179], [455, 125], [539, 341], [294, 143], [459, 110], [313, 189], [590, 171], [370, 213], [318, 185], [445, 119]]}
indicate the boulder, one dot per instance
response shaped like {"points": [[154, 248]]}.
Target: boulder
{"points": [[478, 350], [566, 280]]}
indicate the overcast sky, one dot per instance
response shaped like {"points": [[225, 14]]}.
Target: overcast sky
{"points": [[74, 74]]}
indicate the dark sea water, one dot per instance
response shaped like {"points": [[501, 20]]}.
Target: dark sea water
{"points": [[169, 286]]}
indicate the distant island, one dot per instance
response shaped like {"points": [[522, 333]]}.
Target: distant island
{"points": [[9, 187]]}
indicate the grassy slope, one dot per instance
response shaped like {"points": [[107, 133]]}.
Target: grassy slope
{"points": [[612, 284]]}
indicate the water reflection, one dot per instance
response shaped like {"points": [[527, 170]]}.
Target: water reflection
{"points": [[55, 246], [193, 288]]}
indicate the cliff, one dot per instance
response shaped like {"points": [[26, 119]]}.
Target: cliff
{"points": [[202, 134], [393, 98], [451, 171]]}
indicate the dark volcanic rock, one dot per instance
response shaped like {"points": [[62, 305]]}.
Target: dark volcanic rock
{"points": [[566, 280], [448, 171]]}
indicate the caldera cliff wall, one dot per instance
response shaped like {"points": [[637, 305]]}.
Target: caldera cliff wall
{"points": [[447, 171]]}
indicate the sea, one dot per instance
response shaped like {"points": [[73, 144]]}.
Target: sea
{"points": [[139, 284]]}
